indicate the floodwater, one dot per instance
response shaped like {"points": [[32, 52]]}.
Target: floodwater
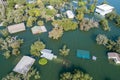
{"points": [[100, 69]]}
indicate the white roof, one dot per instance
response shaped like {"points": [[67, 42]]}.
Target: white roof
{"points": [[38, 29], [16, 28], [70, 14], [105, 7], [50, 7], [24, 65], [46, 51], [115, 56], [47, 54]]}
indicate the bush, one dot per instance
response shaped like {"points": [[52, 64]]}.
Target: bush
{"points": [[43, 61]]}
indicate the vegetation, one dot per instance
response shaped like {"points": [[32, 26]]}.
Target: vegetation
{"points": [[86, 24], [75, 75], [104, 24], [36, 47], [32, 74], [43, 61], [56, 33], [40, 23], [4, 32], [64, 51], [108, 43], [67, 24], [10, 46], [101, 39], [114, 17]]}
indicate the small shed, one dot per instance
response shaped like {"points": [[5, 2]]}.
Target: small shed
{"points": [[70, 14], [46, 53], [83, 54], [38, 29], [24, 65], [16, 28]]}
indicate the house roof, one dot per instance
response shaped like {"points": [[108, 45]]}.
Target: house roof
{"points": [[47, 54], [70, 14], [38, 29], [50, 7], [24, 65], [105, 7], [83, 54], [114, 55], [16, 28]]}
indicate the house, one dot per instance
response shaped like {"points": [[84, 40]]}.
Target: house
{"points": [[38, 29], [16, 28], [83, 54], [46, 53], [30, 1], [70, 14], [24, 65], [104, 9], [114, 56]]}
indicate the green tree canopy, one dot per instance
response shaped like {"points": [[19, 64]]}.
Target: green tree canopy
{"points": [[36, 47]]}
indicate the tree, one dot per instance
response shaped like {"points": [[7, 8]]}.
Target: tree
{"points": [[111, 15], [86, 24], [104, 24], [6, 54], [4, 32], [101, 39], [80, 16], [36, 47], [40, 23], [117, 20], [30, 21], [75, 75], [92, 7], [64, 51], [56, 33]]}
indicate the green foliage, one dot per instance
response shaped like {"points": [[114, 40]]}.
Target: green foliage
{"points": [[56, 33], [75, 75], [40, 23], [10, 46], [101, 39], [109, 44], [43, 61], [92, 7], [6, 54], [80, 16], [30, 21], [4, 32], [32, 74], [104, 24], [35, 12], [64, 51], [117, 20], [111, 15], [36, 47], [86, 24], [67, 24]]}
